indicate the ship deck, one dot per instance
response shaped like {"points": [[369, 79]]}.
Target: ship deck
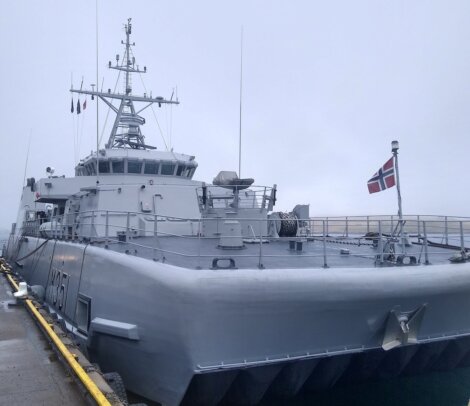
{"points": [[283, 253]]}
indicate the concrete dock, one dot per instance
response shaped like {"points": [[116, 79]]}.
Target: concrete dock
{"points": [[30, 372]]}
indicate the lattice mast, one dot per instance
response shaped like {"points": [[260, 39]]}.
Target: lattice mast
{"points": [[126, 132]]}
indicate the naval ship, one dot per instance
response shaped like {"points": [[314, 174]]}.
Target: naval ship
{"points": [[201, 293]]}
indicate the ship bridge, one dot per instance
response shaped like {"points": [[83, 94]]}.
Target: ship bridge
{"points": [[137, 162]]}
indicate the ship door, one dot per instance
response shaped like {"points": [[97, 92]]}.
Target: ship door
{"points": [[145, 198]]}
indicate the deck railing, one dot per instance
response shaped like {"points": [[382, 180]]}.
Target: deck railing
{"points": [[222, 197], [118, 227]]}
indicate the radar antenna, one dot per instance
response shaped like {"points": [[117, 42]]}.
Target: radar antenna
{"points": [[126, 132]]}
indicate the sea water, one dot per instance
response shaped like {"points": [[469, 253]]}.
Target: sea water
{"points": [[451, 388]]}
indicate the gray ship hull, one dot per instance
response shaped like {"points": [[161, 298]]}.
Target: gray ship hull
{"points": [[241, 335]]}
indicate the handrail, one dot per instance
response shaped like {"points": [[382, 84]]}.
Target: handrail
{"points": [[125, 227]]}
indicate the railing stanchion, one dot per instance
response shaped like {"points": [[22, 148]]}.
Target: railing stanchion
{"points": [[380, 244], [368, 225], [107, 229], [391, 224], [347, 227], [155, 231], [199, 231], [127, 226], [92, 224], [65, 228], [260, 262], [462, 240], [426, 254], [325, 264], [327, 227], [446, 227], [419, 227], [75, 225]]}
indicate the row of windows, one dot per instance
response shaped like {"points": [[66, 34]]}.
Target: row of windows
{"points": [[136, 167]]}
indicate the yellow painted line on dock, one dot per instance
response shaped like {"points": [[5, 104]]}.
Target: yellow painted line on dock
{"points": [[91, 387]]}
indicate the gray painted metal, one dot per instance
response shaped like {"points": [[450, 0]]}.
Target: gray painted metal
{"points": [[114, 328], [205, 321]]}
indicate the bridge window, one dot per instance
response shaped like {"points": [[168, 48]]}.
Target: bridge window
{"points": [[118, 166], [134, 167], [187, 172], [151, 168], [90, 169], [168, 169], [181, 169], [103, 166]]}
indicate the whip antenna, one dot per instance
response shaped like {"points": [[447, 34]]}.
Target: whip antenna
{"points": [[97, 104], [240, 113], [27, 156]]}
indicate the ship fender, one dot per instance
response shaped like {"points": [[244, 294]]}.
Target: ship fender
{"points": [[114, 380], [38, 292]]}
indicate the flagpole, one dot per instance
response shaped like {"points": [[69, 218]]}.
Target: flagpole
{"points": [[395, 147]]}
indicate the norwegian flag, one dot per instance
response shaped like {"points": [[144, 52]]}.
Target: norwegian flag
{"points": [[383, 179]]}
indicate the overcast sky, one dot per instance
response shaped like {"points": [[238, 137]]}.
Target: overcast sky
{"points": [[327, 86]]}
